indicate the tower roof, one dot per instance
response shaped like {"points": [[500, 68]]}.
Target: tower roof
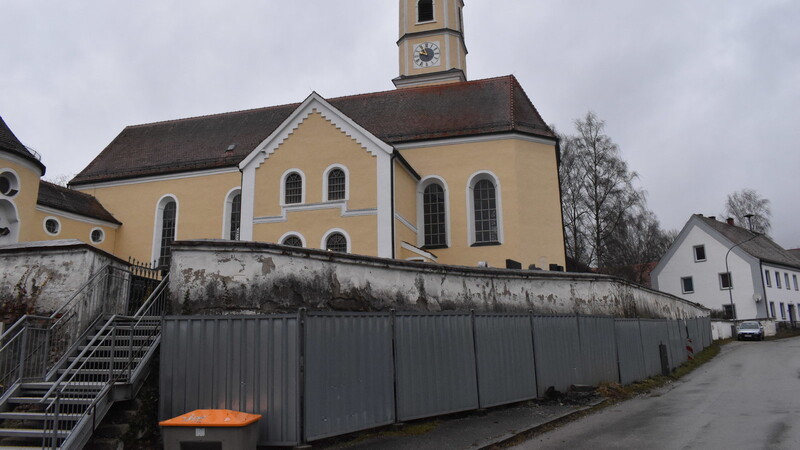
{"points": [[481, 107], [10, 143]]}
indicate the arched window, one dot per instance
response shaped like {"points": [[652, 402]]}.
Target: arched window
{"points": [[485, 212], [292, 241], [293, 189], [166, 227], [425, 11], [336, 184], [434, 216], [235, 218], [336, 242]]}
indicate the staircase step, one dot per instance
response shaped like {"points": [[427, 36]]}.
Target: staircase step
{"points": [[35, 416], [29, 432], [107, 359], [44, 385], [64, 400]]}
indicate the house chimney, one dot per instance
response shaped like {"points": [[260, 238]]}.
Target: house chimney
{"points": [[730, 221], [712, 217]]}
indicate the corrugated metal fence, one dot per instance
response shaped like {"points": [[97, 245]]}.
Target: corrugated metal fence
{"points": [[318, 375]]}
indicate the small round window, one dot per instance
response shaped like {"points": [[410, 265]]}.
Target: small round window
{"points": [[9, 184], [52, 226], [97, 235]]}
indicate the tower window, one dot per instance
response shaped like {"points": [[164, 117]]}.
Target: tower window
{"points": [[292, 241], [336, 242], [434, 216], [336, 184], [97, 236], [52, 226], [294, 189], [425, 11]]}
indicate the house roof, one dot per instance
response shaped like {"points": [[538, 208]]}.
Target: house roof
{"points": [[495, 105], [795, 252], [757, 245], [10, 143], [68, 200]]}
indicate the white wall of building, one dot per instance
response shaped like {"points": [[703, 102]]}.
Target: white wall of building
{"points": [[786, 295]]}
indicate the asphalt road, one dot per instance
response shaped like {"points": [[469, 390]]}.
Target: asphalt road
{"points": [[748, 397]]}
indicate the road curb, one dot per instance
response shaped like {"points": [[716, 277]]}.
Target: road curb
{"points": [[513, 435]]}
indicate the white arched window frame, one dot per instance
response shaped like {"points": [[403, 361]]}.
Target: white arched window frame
{"points": [[296, 234], [9, 222], [9, 182], [97, 235], [433, 12], [302, 186], [325, 193], [228, 212], [158, 224], [323, 244], [421, 186], [473, 180]]}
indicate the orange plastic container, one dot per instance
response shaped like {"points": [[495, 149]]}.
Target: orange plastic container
{"points": [[220, 428], [212, 418]]}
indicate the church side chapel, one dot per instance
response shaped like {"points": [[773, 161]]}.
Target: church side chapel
{"points": [[440, 169]]}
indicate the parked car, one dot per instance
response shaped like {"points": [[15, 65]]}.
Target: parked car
{"points": [[750, 330]]}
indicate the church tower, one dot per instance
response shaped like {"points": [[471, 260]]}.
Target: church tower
{"points": [[432, 49]]}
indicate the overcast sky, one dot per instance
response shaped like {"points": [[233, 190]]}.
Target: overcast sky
{"points": [[703, 97]]}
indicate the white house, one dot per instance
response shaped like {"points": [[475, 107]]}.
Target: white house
{"points": [[729, 269]]}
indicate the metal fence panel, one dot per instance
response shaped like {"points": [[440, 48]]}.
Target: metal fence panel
{"points": [[598, 350], [506, 370], [654, 332], [557, 350], [706, 321], [694, 335], [677, 347], [248, 364], [349, 381], [435, 363], [629, 351]]}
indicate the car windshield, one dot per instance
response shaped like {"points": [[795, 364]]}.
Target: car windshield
{"points": [[749, 326]]}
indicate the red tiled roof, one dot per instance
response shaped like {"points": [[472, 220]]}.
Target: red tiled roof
{"points": [[68, 200], [471, 108], [10, 143]]}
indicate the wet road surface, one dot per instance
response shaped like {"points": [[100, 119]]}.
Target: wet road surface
{"points": [[748, 397]]}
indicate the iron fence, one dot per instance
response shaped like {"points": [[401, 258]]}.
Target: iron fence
{"points": [[316, 375]]}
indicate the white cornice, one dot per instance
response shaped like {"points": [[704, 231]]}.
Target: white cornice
{"points": [[473, 140], [418, 251], [76, 217], [155, 178], [405, 222], [21, 161], [341, 205]]}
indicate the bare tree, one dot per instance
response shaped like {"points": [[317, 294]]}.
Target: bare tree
{"points": [[61, 179], [748, 202], [636, 245], [573, 204]]}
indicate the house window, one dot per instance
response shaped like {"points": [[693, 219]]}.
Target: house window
{"points": [[772, 309], [434, 216], [485, 211], [336, 242], [777, 280], [729, 311], [699, 253], [786, 280], [769, 280], [235, 217], [725, 281], [794, 278], [168, 225], [97, 236], [783, 311], [293, 192], [687, 285], [52, 226], [425, 11], [292, 241], [336, 184]]}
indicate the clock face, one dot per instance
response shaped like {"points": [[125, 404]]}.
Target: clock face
{"points": [[426, 55]]}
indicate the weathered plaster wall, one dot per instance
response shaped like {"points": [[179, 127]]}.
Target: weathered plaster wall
{"points": [[209, 277], [38, 277]]}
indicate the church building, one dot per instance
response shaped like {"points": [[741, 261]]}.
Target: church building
{"points": [[440, 169]]}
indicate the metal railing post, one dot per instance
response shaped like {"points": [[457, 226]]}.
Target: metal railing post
{"points": [[130, 353], [23, 349], [113, 353]]}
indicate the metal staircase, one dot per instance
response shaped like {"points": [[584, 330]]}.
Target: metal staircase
{"points": [[59, 375]]}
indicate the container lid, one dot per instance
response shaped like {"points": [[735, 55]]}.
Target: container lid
{"points": [[212, 418]]}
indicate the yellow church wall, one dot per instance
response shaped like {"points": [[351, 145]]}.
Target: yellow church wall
{"points": [[405, 205], [25, 199], [73, 229], [312, 148], [528, 194], [313, 226], [200, 199], [408, 16]]}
